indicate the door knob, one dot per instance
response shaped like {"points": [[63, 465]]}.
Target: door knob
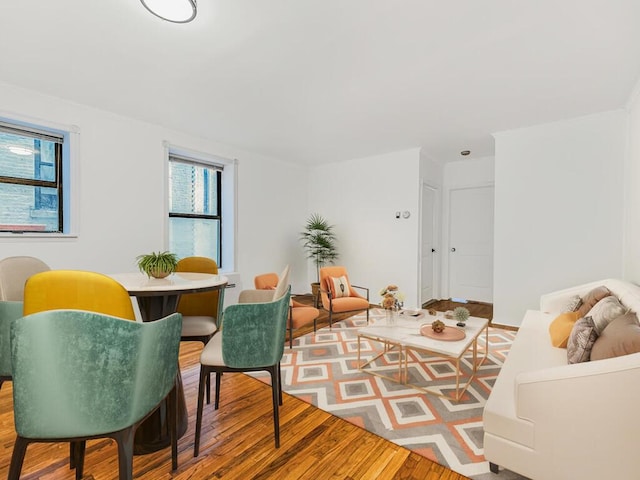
{"points": [[453, 249]]}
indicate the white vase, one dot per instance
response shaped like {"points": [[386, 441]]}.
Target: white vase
{"points": [[391, 316]]}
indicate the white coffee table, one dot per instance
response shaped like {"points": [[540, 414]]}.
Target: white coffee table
{"points": [[405, 337]]}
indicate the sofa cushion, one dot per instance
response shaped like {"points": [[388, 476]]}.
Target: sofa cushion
{"points": [[621, 337], [581, 340], [561, 327], [591, 298], [605, 311], [573, 304]]}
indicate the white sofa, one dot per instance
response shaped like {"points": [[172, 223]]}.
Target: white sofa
{"points": [[548, 420]]}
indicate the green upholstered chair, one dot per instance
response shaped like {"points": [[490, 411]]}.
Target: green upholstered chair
{"points": [[251, 339], [8, 312], [80, 375]]}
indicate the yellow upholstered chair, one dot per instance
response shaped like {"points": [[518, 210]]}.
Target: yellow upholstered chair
{"points": [[339, 295], [79, 290], [200, 311], [299, 313], [14, 272]]}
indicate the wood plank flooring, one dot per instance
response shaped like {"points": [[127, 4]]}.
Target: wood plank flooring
{"points": [[237, 442]]}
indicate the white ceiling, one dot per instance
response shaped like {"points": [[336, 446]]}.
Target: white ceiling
{"points": [[327, 80]]}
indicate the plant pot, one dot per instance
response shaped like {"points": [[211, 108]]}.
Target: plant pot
{"points": [[315, 291], [159, 273]]}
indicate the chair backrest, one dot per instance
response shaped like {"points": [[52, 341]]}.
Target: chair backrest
{"points": [[9, 311], [266, 281], [283, 284], [78, 373], [77, 289], [204, 303], [253, 333], [14, 272]]}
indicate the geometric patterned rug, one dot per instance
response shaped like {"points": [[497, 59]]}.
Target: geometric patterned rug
{"points": [[322, 370]]}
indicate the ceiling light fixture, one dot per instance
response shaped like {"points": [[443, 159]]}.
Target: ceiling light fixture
{"points": [[176, 11], [465, 152]]}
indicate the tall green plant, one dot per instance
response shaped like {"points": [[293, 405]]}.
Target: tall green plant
{"points": [[319, 241]]}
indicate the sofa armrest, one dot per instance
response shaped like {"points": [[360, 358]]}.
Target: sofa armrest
{"points": [[586, 397]]}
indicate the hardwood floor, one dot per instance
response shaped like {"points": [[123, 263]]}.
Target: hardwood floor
{"points": [[237, 442]]}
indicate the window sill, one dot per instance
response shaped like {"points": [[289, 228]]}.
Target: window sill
{"points": [[42, 236]]}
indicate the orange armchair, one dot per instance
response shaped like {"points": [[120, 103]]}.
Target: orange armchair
{"points": [[299, 313], [339, 295]]}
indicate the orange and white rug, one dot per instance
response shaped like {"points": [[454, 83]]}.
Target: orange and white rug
{"points": [[322, 369]]}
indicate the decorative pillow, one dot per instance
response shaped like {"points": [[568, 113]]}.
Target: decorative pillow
{"points": [[591, 298], [621, 337], [605, 311], [339, 287], [573, 304], [561, 327], [581, 340]]}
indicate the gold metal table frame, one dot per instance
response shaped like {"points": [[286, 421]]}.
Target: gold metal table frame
{"points": [[405, 349]]}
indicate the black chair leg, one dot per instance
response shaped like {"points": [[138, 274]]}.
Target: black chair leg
{"points": [[172, 407], [17, 458], [203, 374], [217, 399], [79, 448], [368, 315], [72, 455], [124, 439], [275, 387], [279, 385], [208, 389]]}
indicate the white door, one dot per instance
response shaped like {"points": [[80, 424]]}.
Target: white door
{"points": [[428, 244], [471, 243]]}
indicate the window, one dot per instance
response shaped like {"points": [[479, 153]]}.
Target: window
{"points": [[32, 180], [195, 208]]}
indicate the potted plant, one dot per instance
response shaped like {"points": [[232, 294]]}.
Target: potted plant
{"points": [[157, 265], [319, 241]]}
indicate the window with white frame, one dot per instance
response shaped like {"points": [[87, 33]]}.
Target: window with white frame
{"points": [[195, 208], [33, 179]]}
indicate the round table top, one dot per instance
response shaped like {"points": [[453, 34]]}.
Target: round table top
{"points": [[179, 282]]}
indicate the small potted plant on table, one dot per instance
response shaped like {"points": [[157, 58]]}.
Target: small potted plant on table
{"points": [[157, 265]]}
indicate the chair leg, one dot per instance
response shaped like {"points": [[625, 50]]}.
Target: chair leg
{"points": [[172, 407], [17, 458], [368, 315], [279, 384], [72, 455], [315, 324], [217, 399], [204, 373], [290, 335], [208, 389], [79, 449], [275, 387], [124, 439]]}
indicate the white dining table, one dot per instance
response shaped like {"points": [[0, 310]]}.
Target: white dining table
{"points": [[157, 298]]}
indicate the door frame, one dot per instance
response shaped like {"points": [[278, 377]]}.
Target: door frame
{"points": [[437, 239], [446, 234]]}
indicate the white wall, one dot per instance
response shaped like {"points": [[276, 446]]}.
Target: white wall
{"points": [[360, 197], [122, 194], [632, 191], [558, 209]]}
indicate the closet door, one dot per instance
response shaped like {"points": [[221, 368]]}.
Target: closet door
{"points": [[471, 243]]}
